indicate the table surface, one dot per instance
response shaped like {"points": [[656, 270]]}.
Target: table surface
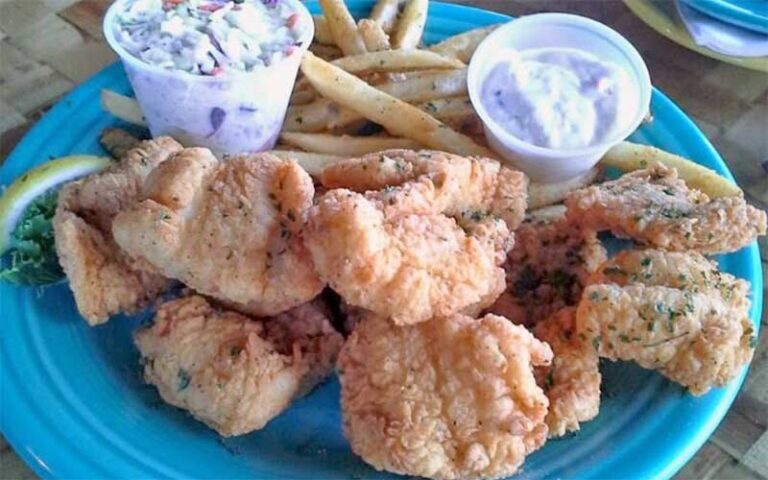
{"points": [[49, 46]]}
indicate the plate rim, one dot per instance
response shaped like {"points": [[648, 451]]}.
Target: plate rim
{"points": [[60, 112], [730, 13], [659, 21]]}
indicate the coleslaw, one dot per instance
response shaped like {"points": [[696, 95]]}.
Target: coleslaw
{"points": [[209, 37]]}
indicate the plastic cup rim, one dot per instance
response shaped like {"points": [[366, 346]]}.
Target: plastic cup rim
{"points": [[128, 58]]}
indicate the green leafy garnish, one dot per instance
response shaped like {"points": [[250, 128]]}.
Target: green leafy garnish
{"points": [[32, 258]]}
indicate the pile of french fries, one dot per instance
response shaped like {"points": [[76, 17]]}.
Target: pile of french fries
{"points": [[371, 85]]}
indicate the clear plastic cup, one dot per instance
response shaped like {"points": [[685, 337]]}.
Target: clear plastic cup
{"points": [[230, 113], [546, 30]]}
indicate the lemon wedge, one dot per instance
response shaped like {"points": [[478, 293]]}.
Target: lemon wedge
{"points": [[17, 197]]}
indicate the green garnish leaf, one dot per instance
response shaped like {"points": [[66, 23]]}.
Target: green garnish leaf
{"points": [[32, 258]]}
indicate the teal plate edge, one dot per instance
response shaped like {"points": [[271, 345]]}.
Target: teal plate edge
{"points": [[58, 456], [749, 14]]}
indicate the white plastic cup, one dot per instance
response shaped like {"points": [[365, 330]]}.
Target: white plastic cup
{"points": [[558, 30], [231, 113]]}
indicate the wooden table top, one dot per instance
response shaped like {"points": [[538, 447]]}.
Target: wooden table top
{"points": [[49, 46]]}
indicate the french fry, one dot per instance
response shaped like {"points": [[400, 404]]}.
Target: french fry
{"points": [[398, 117], [117, 141], [393, 61], [397, 60], [345, 144], [544, 194], [322, 32], [449, 107], [342, 27], [122, 107], [385, 14], [428, 86], [326, 52], [628, 156], [374, 37], [410, 27], [546, 214], [324, 114], [458, 113], [302, 97], [462, 46], [469, 125], [313, 163]]}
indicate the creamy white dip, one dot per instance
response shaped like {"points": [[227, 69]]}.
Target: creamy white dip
{"points": [[209, 37], [559, 97]]}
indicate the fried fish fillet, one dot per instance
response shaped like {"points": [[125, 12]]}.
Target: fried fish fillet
{"points": [[546, 270], [689, 271], [671, 312], [572, 381], [309, 328], [105, 280], [232, 373], [407, 267], [655, 208], [229, 230], [452, 398], [431, 181]]}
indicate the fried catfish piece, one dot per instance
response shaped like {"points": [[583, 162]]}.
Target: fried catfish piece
{"points": [[230, 229], [410, 267], [230, 372], [572, 381], [104, 279], [546, 270], [452, 398], [671, 312], [689, 271], [656, 208], [431, 181]]}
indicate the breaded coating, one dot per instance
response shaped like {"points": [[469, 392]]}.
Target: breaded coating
{"points": [[432, 182], [655, 208], [572, 382], [104, 280], [690, 271], [404, 266], [232, 373], [452, 398], [684, 319], [546, 270], [309, 327], [229, 229]]}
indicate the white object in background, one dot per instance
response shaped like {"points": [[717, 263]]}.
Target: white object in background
{"points": [[556, 30], [720, 36]]}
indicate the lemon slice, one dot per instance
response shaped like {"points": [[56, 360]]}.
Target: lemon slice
{"points": [[37, 181]]}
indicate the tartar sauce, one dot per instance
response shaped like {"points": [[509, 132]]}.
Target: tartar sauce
{"points": [[209, 37], [559, 97]]}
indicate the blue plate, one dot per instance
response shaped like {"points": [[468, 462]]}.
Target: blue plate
{"points": [[73, 404], [750, 14]]}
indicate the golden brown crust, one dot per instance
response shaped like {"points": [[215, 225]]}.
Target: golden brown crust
{"points": [[671, 312], [230, 229], [546, 270], [653, 207], [436, 182], [447, 399], [407, 267], [572, 382], [103, 279], [232, 373]]}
